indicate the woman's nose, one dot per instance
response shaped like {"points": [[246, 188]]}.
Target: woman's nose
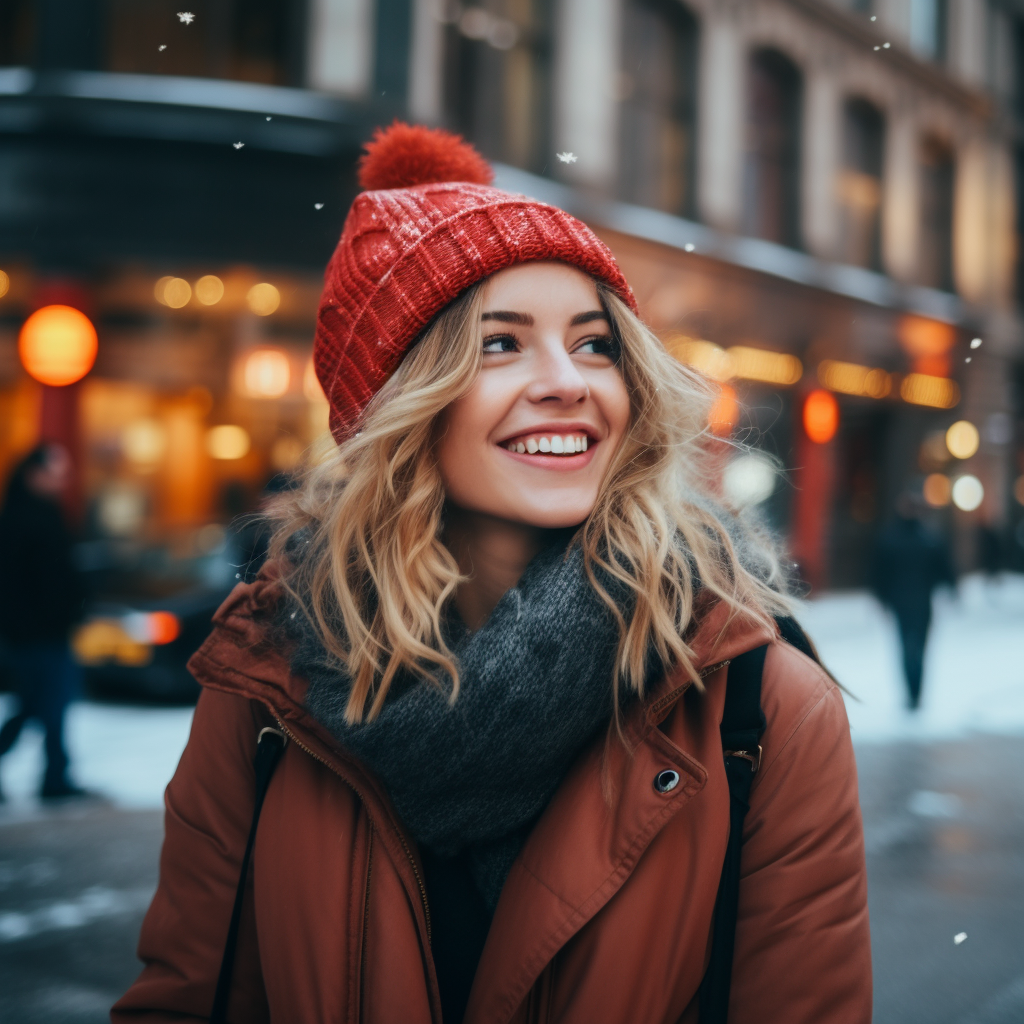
{"points": [[557, 378]]}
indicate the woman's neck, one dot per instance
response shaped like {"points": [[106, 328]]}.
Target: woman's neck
{"points": [[492, 553]]}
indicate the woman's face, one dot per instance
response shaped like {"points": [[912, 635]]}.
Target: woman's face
{"points": [[532, 439]]}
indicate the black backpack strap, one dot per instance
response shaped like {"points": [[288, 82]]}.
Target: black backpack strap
{"points": [[269, 746], [743, 724]]}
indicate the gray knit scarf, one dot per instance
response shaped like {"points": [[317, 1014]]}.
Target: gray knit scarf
{"points": [[535, 687]]}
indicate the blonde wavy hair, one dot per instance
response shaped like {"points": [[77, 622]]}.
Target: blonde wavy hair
{"points": [[362, 538]]}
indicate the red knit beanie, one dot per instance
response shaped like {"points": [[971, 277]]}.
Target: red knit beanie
{"points": [[427, 227]]}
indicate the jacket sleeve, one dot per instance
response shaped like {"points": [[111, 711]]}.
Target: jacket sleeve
{"points": [[803, 952], [209, 805]]}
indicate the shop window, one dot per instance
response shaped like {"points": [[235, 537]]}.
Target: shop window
{"points": [[248, 40], [658, 114], [17, 32], [936, 239], [860, 184], [772, 167], [497, 84], [928, 28]]}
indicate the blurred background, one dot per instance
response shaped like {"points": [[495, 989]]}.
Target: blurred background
{"points": [[819, 204]]}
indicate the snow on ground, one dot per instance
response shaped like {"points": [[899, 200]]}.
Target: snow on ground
{"points": [[974, 664], [124, 753], [974, 681]]}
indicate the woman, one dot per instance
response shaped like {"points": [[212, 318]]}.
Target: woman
{"points": [[496, 628]]}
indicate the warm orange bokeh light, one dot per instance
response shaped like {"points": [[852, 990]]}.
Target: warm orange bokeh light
{"points": [[57, 345], [164, 627], [821, 416], [724, 413]]}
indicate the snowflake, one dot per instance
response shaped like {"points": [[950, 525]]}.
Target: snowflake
{"points": [[186, 17], [318, 206], [162, 47], [567, 158], [238, 145], [689, 247], [975, 342], [268, 118], [959, 937]]}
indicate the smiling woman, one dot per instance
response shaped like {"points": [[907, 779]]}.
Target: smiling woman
{"points": [[493, 642]]}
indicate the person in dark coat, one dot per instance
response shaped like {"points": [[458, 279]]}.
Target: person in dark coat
{"points": [[41, 599], [911, 560]]}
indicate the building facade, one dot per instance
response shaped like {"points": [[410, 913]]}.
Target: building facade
{"points": [[808, 196]]}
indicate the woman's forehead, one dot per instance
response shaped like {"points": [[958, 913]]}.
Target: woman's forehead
{"points": [[540, 285]]}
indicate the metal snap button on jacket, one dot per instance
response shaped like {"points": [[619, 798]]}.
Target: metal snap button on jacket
{"points": [[666, 781]]}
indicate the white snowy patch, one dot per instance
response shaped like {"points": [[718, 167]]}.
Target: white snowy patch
{"points": [[567, 158], [973, 677], [125, 754], [93, 904], [186, 17], [926, 803]]}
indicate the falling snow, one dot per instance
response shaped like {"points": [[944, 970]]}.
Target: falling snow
{"points": [[567, 158], [268, 117], [186, 17], [959, 937], [689, 247], [162, 47], [976, 343], [238, 145], [318, 206]]}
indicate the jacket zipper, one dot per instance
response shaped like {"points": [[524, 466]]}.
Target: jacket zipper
{"points": [[401, 838]]}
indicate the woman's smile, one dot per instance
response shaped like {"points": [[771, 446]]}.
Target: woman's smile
{"points": [[559, 446]]}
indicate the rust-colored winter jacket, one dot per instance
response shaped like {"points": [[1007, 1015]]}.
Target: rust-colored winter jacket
{"points": [[606, 915]]}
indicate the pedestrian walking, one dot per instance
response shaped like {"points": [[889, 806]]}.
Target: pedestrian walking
{"points": [[41, 598], [510, 661], [911, 560]]}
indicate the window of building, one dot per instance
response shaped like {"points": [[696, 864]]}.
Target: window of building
{"points": [[928, 28], [249, 40], [658, 114], [936, 239], [497, 84], [860, 184], [771, 186]]}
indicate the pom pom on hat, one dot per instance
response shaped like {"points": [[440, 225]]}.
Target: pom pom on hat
{"points": [[403, 155]]}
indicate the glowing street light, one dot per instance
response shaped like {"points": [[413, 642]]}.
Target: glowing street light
{"points": [[58, 345]]}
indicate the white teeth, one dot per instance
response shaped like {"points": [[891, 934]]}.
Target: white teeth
{"points": [[567, 444]]}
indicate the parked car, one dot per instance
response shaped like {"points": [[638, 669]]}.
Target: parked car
{"points": [[151, 607]]}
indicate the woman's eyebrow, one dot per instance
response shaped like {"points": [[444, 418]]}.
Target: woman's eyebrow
{"points": [[507, 316], [588, 317]]}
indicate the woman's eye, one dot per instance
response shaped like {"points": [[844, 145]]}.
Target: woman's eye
{"points": [[500, 343], [602, 345]]}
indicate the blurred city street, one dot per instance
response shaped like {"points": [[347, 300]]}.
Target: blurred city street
{"points": [[942, 792]]}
